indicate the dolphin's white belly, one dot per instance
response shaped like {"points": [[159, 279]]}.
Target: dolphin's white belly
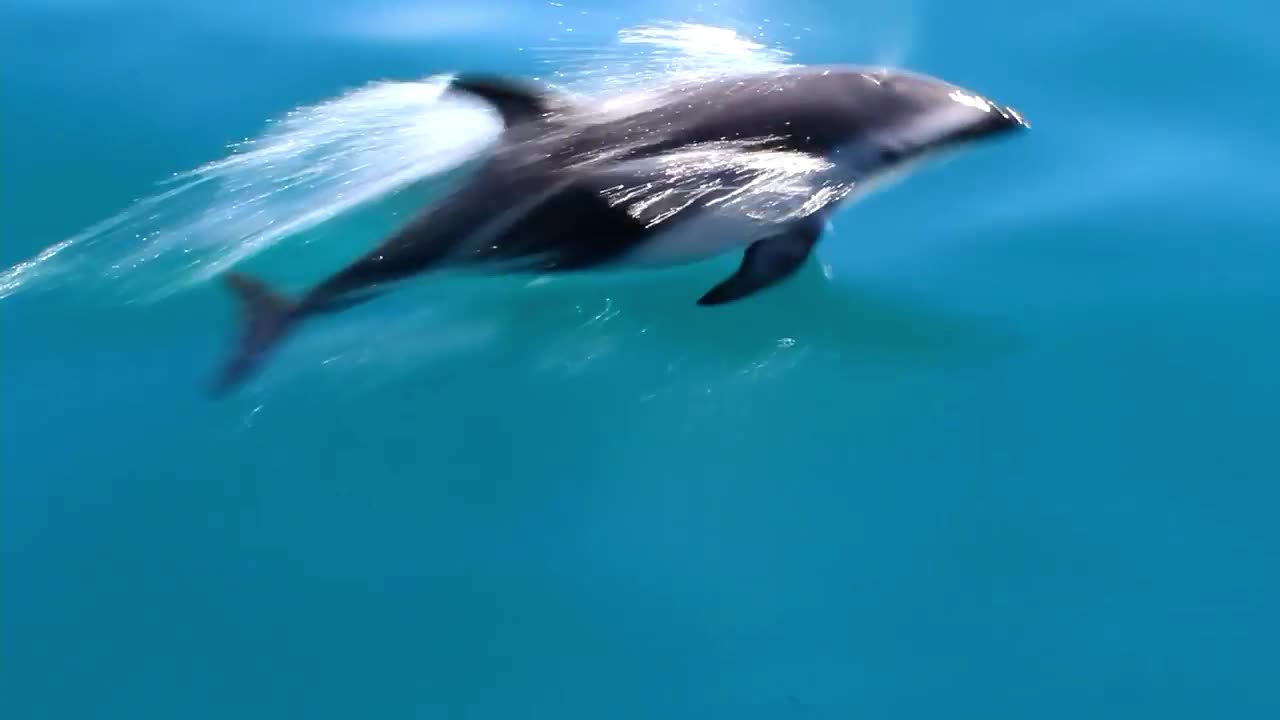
{"points": [[707, 235]]}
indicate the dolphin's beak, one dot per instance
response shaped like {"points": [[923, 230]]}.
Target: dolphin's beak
{"points": [[1001, 120], [1015, 119], [995, 121]]}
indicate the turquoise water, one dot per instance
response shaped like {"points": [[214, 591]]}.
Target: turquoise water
{"points": [[1014, 454]]}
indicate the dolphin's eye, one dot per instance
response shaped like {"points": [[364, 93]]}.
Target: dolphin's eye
{"points": [[891, 155]]}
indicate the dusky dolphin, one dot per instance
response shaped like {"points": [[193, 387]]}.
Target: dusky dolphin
{"points": [[683, 173]]}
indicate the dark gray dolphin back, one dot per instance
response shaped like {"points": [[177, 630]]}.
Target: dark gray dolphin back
{"points": [[815, 110], [811, 110]]}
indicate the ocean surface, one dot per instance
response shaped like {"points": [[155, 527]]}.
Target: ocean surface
{"points": [[1011, 449]]}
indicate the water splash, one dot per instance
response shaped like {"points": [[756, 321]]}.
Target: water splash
{"points": [[309, 166], [765, 184], [643, 57]]}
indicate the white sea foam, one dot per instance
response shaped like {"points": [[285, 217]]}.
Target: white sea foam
{"points": [[309, 166]]}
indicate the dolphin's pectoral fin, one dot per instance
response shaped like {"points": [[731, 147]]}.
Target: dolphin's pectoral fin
{"points": [[516, 100], [767, 262]]}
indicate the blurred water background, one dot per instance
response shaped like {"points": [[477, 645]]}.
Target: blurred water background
{"points": [[1010, 452]]}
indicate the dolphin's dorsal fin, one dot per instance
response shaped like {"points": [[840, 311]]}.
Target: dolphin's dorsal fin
{"points": [[516, 100]]}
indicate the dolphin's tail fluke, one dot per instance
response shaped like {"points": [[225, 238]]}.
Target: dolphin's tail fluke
{"points": [[268, 317]]}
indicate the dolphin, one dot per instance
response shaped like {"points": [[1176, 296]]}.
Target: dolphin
{"points": [[678, 174]]}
